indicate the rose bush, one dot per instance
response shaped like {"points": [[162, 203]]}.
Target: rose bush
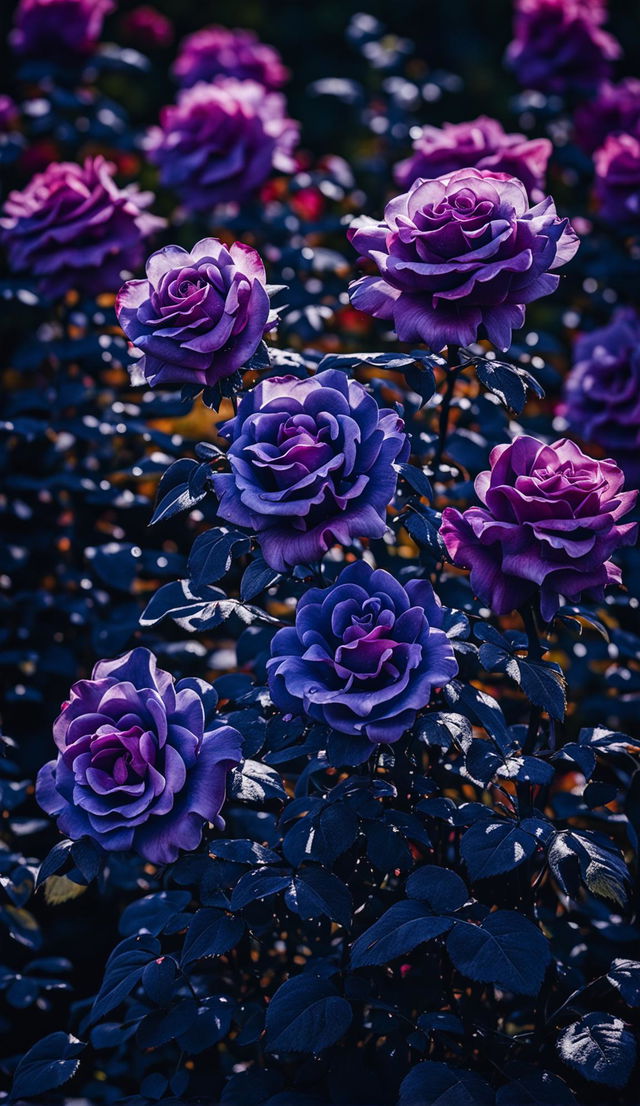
{"points": [[560, 45], [480, 144], [73, 226], [137, 768], [219, 142], [218, 52], [617, 184], [199, 315], [459, 257], [363, 657], [311, 465], [615, 109], [550, 519], [602, 391], [59, 29]]}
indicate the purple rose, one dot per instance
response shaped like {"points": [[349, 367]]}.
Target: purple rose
{"points": [[549, 521], [615, 109], [220, 52], [73, 227], [617, 185], [59, 29], [9, 114], [311, 465], [364, 655], [602, 391], [148, 28], [198, 316], [458, 258], [220, 141], [137, 767], [480, 144], [560, 46]]}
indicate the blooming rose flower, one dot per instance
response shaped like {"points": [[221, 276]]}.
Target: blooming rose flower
{"points": [[137, 767], [73, 227], [220, 52], [549, 521], [364, 655], [58, 29], [198, 316], [458, 257], [220, 141], [617, 185], [560, 46], [602, 391], [148, 27], [311, 465], [615, 109], [480, 144]]}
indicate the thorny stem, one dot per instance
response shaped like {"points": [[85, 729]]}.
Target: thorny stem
{"points": [[453, 369], [534, 653]]}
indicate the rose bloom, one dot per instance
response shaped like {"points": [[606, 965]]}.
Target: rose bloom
{"points": [[59, 29], [139, 766], [548, 524], [480, 144], [602, 391], [615, 109], [311, 465], [617, 181], [363, 657], [219, 52], [200, 315], [73, 227], [148, 28], [559, 45], [459, 257], [220, 142]]}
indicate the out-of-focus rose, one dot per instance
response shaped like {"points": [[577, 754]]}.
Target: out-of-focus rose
{"points": [[59, 29], [560, 45], [219, 142], [219, 52], [311, 465], [147, 28], [9, 114], [615, 109], [200, 315], [602, 391], [459, 257], [480, 144], [73, 227], [138, 767], [617, 183], [548, 524], [363, 657]]}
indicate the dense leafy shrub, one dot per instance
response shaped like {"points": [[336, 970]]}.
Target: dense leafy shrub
{"points": [[338, 821]]}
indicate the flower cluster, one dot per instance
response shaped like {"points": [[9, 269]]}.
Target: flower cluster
{"points": [[137, 768], [480, 144], [311, 465], [459, 257], [549, 522], [602, 391], [218, 52], [363, 657], [220, 141], [73, 227], [200, 315]]}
